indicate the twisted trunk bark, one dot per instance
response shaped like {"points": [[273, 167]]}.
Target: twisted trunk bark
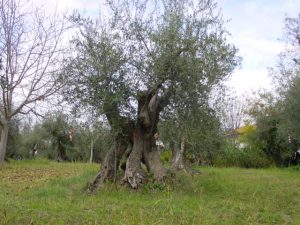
{"points": [[154, 165], [134, 173], [144, 148], [123, 132], [141, 137], [144, 151], [109, 168]]}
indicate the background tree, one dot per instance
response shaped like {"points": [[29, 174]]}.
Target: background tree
{"points": [[267, 114], [31, 51], [131, 67], [61, 133], [286, 76], [195, 138], [33, 136], [191, 126], [91, 140], [50, 136], [276, 115], [232, 112]]}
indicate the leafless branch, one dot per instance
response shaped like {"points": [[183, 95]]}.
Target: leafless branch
{"points": [[31, 49]]}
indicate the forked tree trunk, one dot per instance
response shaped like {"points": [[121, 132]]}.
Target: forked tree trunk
{"points": [[3, 141], [139, 135], [144, 148], [144, 152]]}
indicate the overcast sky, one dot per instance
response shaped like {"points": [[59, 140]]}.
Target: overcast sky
{"points": [[256, 27]]}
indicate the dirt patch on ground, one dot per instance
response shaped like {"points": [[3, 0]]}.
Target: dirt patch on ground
{"points": [[33, 175]]}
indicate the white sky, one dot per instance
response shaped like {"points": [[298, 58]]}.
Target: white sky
{"points": [[256, 27]]}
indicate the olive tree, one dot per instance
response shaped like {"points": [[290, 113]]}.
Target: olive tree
{"points": [[130, 67], [192, 134]]}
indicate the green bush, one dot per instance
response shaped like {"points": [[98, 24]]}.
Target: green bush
{"points": [[249, 157], [166, 155]]}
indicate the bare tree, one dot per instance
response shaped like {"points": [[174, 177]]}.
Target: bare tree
{"points": [[233, 113], [31, 50]]}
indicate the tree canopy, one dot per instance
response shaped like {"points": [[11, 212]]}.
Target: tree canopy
{"points": [[169, 47], [147, 57]]}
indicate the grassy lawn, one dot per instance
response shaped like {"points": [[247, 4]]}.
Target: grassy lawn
{"points": [[44, 192]]}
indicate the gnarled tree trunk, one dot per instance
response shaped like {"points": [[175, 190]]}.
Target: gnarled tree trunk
{"points": [[154, 164], [135, 141], [134, 173], [144, 149], [122, 130], [110, 165]]}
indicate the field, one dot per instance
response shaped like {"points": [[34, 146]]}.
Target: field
{"points": [[45, 192]]}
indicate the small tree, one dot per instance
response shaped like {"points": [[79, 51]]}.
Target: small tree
{"points": [[31, 51], [60, 133], [194, 133], [267, 112]]}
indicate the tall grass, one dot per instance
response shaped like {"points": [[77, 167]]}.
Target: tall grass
{"points": [[44, 192]]}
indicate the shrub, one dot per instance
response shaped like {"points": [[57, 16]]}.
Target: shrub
{"points": [[166, 155], [249, 157]]}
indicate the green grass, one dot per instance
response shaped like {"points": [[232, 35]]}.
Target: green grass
{"points": [[44, 192]]}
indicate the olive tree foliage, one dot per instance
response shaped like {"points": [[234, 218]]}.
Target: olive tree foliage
{"points": [[31, 53], [195, 136], [134, 64], [70, 140], [60, 135], [33, 138], [50, 136], [287, 79], [191, 126]]}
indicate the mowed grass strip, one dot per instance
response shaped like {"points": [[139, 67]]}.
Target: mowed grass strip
{"points": [[45, 192]]}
